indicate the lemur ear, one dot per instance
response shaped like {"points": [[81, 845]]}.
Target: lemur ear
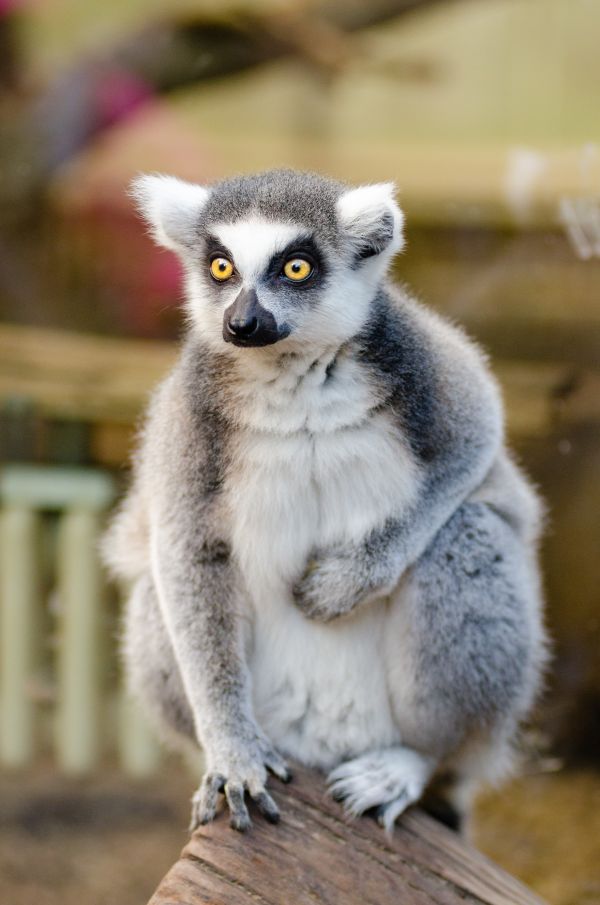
{"points": [[171, 207], [372, 219]]}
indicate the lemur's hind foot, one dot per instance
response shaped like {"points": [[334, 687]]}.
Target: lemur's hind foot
{"points": [[388, 780]]}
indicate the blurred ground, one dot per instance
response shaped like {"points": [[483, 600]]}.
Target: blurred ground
{"points": [[108, 842], [545, 829], [104, 841]]}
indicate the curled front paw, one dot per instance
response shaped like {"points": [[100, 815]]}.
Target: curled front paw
{"points": [[233, 772], [330, 587]]}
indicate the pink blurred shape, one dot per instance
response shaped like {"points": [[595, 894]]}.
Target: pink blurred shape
{"points": [[118, 94], [9, 6]]}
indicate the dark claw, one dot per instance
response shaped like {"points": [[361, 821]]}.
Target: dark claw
{"points": [[240, 822], [278, 768], [267, 806], [282, 775]]}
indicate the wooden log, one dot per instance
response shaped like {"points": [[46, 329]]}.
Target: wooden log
{"points": [[105, 382], [316, 855], [80, 376]]}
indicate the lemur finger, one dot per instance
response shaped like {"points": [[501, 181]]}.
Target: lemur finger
{"points": [[389, 813], [266, 806], [277, 766], [204, 801], [239, 817]]}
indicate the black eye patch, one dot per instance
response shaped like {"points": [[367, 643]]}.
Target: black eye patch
{"points": [[306, 249], [215, 249]]}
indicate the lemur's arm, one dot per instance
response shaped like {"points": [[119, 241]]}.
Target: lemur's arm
{"points": [[457, 435], [197, 590], [339, 579]]}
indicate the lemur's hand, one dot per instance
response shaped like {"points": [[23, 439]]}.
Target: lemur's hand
{"points": [[332, 585], [234, 767]]}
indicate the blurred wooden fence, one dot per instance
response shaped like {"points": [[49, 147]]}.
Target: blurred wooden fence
{"points": [[65, 398], [73, 399], [56, 661], [68, 399]]}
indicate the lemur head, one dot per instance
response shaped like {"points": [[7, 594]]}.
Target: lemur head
{"points": [[281, 257]]}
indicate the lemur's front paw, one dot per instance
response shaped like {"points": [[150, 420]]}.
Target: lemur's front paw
{"points": [[235, 770], [329, 587]]}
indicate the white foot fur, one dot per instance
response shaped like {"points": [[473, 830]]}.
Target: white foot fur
{"points": [[390, 780]]}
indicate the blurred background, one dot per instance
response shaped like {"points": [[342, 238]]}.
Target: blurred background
{"points": [[485, 113]]}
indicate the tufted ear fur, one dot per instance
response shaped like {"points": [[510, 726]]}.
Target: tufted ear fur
{"points": [[372, 219], [171, 207]]}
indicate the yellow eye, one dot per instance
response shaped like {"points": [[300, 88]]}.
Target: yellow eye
{"points": [[297, 269], [221, 269]]}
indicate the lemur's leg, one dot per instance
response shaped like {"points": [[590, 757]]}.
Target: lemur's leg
{"points": [[155, 677], [152, 670], [464, 648]]}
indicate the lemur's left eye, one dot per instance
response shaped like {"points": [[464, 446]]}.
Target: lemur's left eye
{"points": [[221, 269], [297, 269]]}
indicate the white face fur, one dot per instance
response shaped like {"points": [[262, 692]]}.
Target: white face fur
{"points": [[349, 261]]}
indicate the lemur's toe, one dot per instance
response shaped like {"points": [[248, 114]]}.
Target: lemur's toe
{"points": [[277, 766], [266, 806], [204, 801], [391, 780], [389, 813], [239, 818]]}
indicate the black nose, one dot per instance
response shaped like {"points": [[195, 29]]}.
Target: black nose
{"points": [[242, 326], [247, 323]]}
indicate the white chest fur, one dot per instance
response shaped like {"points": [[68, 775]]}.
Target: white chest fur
{"points": [[314, 466]]}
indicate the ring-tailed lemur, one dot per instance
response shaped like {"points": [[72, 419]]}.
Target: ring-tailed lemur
{"points": [[332, 554]]}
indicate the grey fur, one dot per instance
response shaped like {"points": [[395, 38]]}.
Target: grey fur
{"points": [[454, 568], [281, 195], [451, 418]]}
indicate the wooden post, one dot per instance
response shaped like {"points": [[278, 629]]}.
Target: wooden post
{"points": [[81, 495], [315, 856], [139, 751], [80, 595], [19, 612]]}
